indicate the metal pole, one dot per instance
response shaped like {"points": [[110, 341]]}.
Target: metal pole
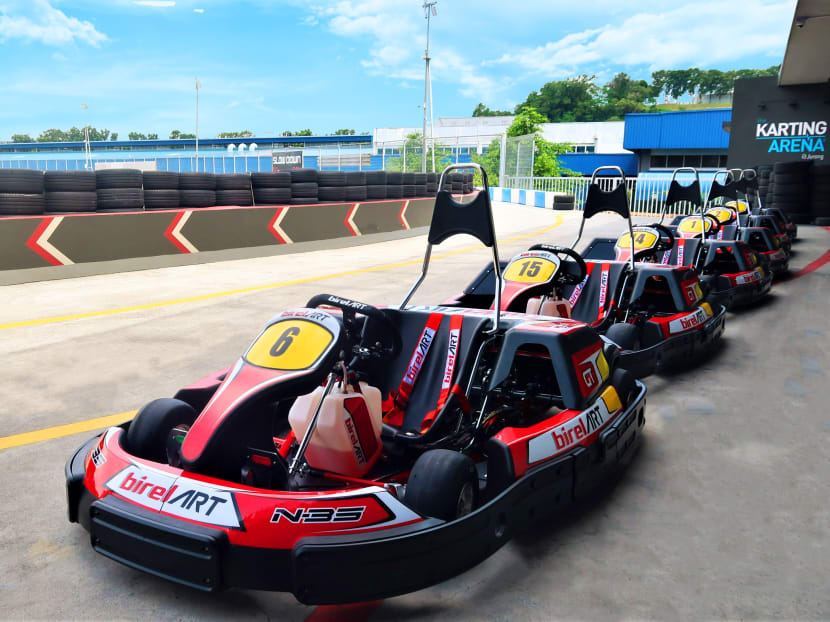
{"points": [[197, 122], [503, 158], [429, 10], [359, 157]]}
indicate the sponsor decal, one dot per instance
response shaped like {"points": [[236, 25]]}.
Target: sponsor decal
{"points": [[352, 304], [576, 430], [591, 368], [667, 256], [603, 286], [681, 249], [748, 277], [452, 352], [532, 267], [316, 514], [692, 320], [692, 291], [577, 291], [285, 160], [180, 496], [98, 458], [805, 137], [418, 357]]}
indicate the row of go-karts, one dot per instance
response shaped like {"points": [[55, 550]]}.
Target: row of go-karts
{"points": [[354, 452]]}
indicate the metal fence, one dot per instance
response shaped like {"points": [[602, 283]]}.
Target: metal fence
{"points": [[407, 155], [518, 158], [646, 193]]}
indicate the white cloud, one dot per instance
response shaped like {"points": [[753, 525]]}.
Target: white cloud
{"points": [[59, 57], [158, 4], [395, 30], [198, 10], [696, 34], [38, 20]]}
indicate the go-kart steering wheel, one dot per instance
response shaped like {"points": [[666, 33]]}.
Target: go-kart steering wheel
{"points": [[377, 322], [566, 278], [715, 224], [666, 241]]}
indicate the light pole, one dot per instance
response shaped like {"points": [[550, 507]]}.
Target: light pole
{"points": [[429, 11], [198, 86], [87, 154]]}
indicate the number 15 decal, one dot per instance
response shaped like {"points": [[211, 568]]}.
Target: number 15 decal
{"points": [[290, 345]]}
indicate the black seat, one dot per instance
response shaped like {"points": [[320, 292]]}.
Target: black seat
{"points": [[387, 376], [587, 307]]}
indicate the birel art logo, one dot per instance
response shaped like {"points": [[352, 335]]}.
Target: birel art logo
{"points": [[805, 137], [178, 496], [591, 368], [693, 320], [418, 356], [319, 515]]}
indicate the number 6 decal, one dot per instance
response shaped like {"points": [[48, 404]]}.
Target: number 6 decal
{"points": [[284, 341], [290, 345]]}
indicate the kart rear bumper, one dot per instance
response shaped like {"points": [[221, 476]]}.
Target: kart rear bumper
{"points": [[741, 295], [383, 564], [677, 350]]}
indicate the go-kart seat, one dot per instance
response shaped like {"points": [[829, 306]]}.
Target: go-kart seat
{"points": [[684, 252], [427, 389], [587, 308]]}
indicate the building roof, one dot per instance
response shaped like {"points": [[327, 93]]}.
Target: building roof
{"points": [[690, 129], [808, 43]]}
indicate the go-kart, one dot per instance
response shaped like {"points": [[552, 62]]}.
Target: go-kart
{"points": [[658, 314], [355, 453]]}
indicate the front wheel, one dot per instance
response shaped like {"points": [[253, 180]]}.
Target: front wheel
{"points": [[147, 434], [442, 484]]}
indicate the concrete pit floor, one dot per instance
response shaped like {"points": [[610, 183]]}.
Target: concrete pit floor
{"points": [[723, 513]]}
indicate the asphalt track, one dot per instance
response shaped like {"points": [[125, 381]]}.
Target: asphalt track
{"points": [[723, 514]]}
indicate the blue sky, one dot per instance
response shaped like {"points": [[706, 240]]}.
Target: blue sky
{"points": [[268, 66]]}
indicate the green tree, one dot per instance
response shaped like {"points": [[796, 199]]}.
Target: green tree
{"points": [[136, 136], [575, 99], [344, 133], [22, 138], [114, 136], [177, 135], [483, 111], [242, 134], [152, 136], [411, 154]]}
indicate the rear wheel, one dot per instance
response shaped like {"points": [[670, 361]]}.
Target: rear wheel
{"points": [[442, 484], [147, 434], [626, 336]]}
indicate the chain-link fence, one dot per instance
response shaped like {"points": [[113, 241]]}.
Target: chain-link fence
{"points": [[407, 154], [518, 157]]}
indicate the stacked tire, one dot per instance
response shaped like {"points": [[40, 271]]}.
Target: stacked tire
{"points": [[304, 186], [820, 195], [119, 190], [562, 201], [394, 185], [331, 186], [356, 186], [21, 192], [455, 183], [420, 184], [234, 189], [466, 183], [197, 189], [432, 184], [790, 190], [764, 178], [271, 188], [408, 187], [161, 190], [376, 185], [70, 191]]}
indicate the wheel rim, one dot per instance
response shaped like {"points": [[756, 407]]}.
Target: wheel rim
{"points": [[465, 501]]}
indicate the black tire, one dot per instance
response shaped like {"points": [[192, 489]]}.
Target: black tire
{"points": [[790, 178], [69, 181], [303, 200], [432, 187], [408, 191], [303, 175], [408, 179], [272, 196], [563, 205], [161, 199], [376, 178], [331, 179], [442, 484], [18, 204], [431, 191], [420, 179], [120, 199], [275, 179], [161, 180], [197, 198], [356, 178], [233, 181], [304, 190], [792, 206], [823, 221], [71, 201], [118, 178], [21, 181], [394, 192], [356, 193], [197, 181], [376, 192], [420, 190], [457, 187], [626, 336], [147, 435], [800, 218], [625, 384], [432, 178], [821, 173], [331, 193], [394, 178], [234, 197]]}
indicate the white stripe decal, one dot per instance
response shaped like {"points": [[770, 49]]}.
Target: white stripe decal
{"points": [[352, 212], [403, 215], [177, 233], [279, 230], [45, 244]]}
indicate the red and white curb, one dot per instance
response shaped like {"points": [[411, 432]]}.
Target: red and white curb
{"points": [[39, 242], [175, 235], [275, 228], [349, 220], [402, 216]]}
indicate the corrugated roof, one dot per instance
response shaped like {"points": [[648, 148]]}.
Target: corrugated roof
{"points": [[689, 129]]}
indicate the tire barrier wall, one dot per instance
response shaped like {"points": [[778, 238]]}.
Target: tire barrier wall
{"points": [[62, 240]]}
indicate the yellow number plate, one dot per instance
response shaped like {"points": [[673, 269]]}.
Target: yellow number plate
{"points": [[721, 214], [692, 225], [530, 270], [290, 345], [642, 240], [742, 206]]}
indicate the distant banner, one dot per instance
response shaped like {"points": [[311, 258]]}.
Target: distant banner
{"points": [[148, 165], [288, 159]]}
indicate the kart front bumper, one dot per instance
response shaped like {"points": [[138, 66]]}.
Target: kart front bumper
{"points": [[677, 350], [350, 568]]}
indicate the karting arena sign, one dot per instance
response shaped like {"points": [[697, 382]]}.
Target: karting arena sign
{"points": [[287, 159], [772, 123]]}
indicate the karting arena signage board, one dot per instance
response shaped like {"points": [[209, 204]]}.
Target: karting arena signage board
{"points": [[772, 123], [287, 159]]}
